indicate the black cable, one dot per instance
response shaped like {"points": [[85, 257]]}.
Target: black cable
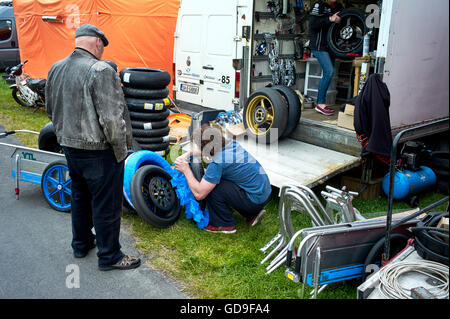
{"points": [[445, 230], [376, 249]]}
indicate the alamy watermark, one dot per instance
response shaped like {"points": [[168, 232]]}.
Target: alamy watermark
{"points": [[73, 279]]}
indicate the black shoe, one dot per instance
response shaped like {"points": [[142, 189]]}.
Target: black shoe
{"points": [[127, 262], [79, 254]]}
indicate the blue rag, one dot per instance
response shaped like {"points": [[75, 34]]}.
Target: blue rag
{"points": [[191, 206]]}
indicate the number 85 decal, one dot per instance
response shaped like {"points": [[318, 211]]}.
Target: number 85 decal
{"points": [[225, 79]]}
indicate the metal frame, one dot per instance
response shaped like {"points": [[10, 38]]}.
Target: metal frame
{"points": [[315, 260], [28, 164], [303, 199]]}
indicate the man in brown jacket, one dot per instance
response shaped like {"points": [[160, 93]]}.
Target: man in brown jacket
{"points": [[84, 100]]}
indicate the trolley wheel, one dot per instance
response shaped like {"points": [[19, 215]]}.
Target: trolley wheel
{"points": [[56, 186]]}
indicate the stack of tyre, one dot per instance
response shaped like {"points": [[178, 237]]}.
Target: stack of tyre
{"points": [[272, 113], [148, 102]]}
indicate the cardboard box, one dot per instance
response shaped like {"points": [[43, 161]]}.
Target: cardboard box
{"points": [[345, 121], [349, 109]]}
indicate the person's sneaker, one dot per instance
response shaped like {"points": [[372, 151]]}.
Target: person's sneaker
{"points": [[127, 262], [224, 229], [324, 110], [257, 219], [79, 254]]}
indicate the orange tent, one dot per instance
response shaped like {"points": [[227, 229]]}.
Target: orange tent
{"points": [[140, 32]]}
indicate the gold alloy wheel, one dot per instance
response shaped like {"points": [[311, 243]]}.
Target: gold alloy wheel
{"points": [[259, 115]]}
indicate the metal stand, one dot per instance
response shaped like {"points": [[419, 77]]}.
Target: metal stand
{"points": [[338, 209]]}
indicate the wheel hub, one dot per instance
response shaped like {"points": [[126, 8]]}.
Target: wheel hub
{"points": [[260, 115], [60, 187], [347, 32], [160, 192]]}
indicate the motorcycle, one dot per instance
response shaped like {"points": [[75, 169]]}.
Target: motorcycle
{"points": [[26, 91]]}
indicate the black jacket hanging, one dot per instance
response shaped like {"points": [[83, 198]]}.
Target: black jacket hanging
{"points": [[372, 121]]}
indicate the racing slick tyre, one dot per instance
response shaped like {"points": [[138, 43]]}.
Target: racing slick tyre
{"points": [[265, 115], [153, 196], [145, 125], [145, 78], [198, 171], [47, 140], [146, 94], [151, 133], [149, 117], [294, 107], [143, 105]]}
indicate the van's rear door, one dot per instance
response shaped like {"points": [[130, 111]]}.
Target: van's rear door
{"points": [[205, 46]]}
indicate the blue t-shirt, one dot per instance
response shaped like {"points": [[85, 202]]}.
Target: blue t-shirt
{"points": [[236, 165]]}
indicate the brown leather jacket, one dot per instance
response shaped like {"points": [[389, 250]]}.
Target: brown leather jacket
{"points": [[85, 102]]}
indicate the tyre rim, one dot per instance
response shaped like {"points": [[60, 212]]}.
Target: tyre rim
{"points": [[57, 187], [161, 192], [348, 35], [259, 115], [159, 195]]}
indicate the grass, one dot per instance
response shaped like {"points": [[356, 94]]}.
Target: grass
{"points": [[213, 265]]}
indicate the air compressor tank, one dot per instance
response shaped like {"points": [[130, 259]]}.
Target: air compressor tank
{"points": [[408, 183]]}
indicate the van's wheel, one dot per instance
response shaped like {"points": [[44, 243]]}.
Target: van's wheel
{"points": [[265, 115], [153, 196], [56, 186], [18, 98], [347, 37], [294, 106], [47, 140]]}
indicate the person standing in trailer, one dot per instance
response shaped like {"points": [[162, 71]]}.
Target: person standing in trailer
{"points": [[322, 15]]}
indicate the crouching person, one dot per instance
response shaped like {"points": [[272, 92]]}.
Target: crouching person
{"points": [[233, 178]]}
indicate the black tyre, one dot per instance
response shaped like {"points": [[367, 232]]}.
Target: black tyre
{"points": [[154, 197], [145, 125], [294, 107], [153, 140], [347, 37], [149, 117], [47, 140], [145, 78], [150, 133], [198, 171], [265, 115], [157, 147], [147, 105], [146, 94], [18, 98]]}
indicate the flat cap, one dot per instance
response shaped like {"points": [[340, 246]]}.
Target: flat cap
{"points": [[91, 31]]}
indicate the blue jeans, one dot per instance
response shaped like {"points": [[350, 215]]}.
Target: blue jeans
{"points": [[226, 194], [327, 63], [97, 183]]}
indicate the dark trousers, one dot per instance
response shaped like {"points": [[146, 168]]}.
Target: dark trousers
{"points": [[97, 183], [226, 194]]}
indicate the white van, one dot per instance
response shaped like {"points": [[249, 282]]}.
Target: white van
{"points": [[217, 66]]}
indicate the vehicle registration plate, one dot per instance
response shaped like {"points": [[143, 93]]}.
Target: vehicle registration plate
{"points": [[189, 89]]}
